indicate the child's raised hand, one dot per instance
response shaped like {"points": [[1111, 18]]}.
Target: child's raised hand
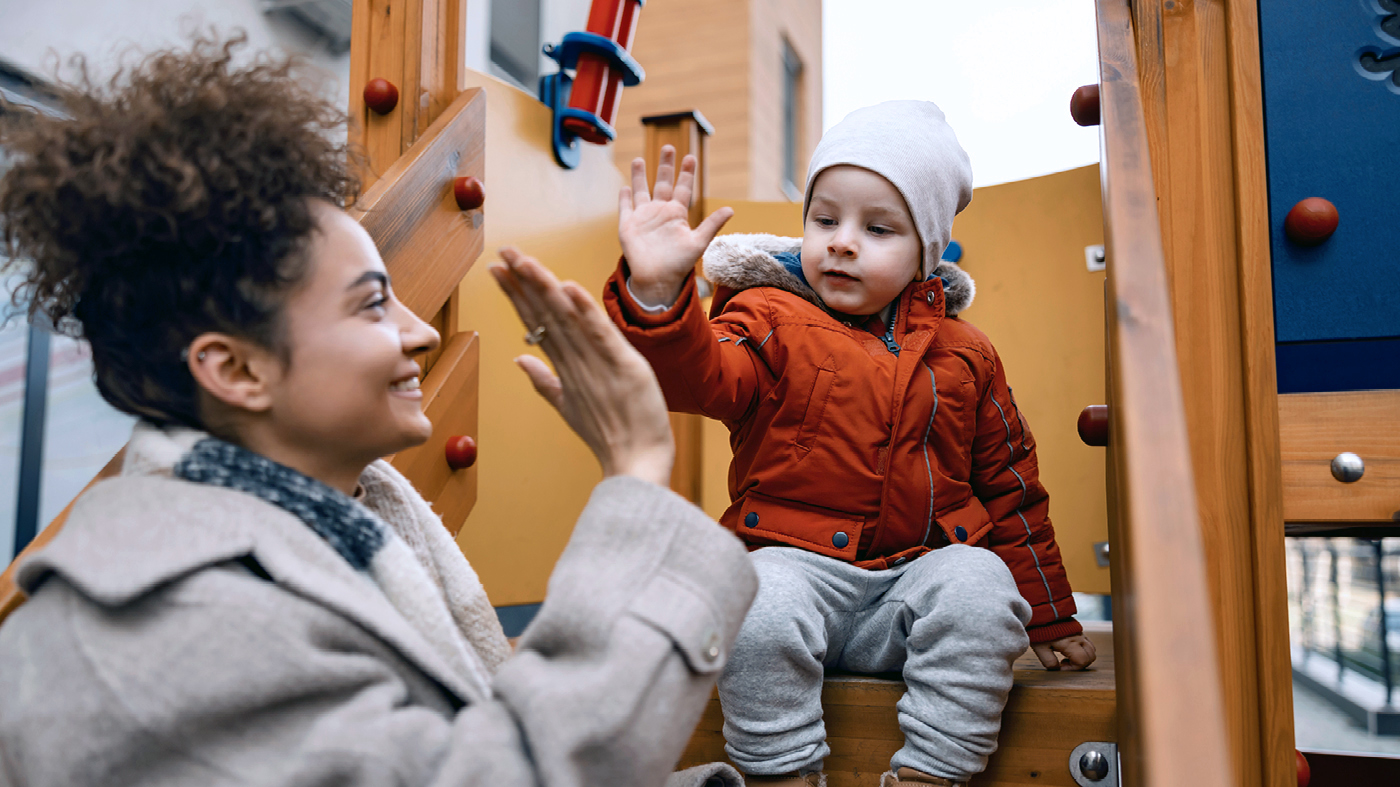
{"points": [[1078, 651], [660, 246]]}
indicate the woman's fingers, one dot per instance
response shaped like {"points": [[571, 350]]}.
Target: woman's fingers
{"points": [[545, 382], [665, 174]]}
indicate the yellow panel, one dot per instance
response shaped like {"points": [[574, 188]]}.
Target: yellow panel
{"points": [[1024, 245], [534, 474]]}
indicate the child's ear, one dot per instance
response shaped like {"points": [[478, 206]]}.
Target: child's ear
{"points": [[235, 371]]}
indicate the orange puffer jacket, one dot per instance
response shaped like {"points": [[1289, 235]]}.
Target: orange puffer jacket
{"points": [[843, 446]]}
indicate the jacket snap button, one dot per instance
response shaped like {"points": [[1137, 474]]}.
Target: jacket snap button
{"points": [[929, 295], [711, 646], [898, 561], [840, 540], [751, 519], [960, 532]]}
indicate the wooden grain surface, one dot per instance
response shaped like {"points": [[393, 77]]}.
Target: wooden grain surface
{"points": [[688, 138], [1046, 716], [1315, 427], [1168, 670], [450, 394], [427, 243], [1260, 391]]}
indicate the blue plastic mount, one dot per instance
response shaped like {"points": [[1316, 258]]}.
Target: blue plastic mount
{"points": [[555, 88]]}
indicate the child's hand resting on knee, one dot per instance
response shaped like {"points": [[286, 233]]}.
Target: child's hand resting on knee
{"points": [[657, 240], [1077, 650]]}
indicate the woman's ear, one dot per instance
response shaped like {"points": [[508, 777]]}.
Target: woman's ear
{"points": [[234, 371]]}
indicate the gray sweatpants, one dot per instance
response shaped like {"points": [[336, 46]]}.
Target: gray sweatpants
{"points": [[951, 620]]}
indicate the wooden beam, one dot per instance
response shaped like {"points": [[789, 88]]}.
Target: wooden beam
{"points": [[1172, 728], [687, 133]]}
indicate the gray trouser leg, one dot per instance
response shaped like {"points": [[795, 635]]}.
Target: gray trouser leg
{"points": [[956, 621], [952, 620], [771, 688]]}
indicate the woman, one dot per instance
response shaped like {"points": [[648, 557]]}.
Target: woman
{"points": [[258, 598]]}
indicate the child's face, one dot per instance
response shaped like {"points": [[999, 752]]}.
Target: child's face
{"points": [[859, 245], [348, 391]]}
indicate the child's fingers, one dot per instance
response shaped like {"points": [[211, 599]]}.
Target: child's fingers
{"points": [[712, 224], [685, 183], [1047, 656], [624, 205], [665, 174], [640, 196]]}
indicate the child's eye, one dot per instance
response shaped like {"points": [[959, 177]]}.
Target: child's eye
{"points": [[877, 230], [824, 221]]}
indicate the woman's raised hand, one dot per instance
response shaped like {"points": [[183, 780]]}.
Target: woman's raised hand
{"points": [[604, 389], [654, 228]]}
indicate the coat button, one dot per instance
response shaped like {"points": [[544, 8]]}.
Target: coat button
{"points": [[840, 540], [711, 647], [751, 519], [960, 532], [930, 296], [898, 561]]}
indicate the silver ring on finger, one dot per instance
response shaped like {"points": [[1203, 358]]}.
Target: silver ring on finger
{"points": [[535, 335]]}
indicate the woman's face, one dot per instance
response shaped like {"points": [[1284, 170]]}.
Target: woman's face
{"points": [[347, 391]]}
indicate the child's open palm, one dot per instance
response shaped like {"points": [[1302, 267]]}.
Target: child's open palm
{"points": [[660, 246]]}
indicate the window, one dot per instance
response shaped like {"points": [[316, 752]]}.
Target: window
{"points": [[515, 41], [792, 100]]}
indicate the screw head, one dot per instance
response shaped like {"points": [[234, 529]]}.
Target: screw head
{"points": [[1348, 467], [1093, 765]]}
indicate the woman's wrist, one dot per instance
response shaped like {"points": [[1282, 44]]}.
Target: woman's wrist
{"points": [[653, 466]]}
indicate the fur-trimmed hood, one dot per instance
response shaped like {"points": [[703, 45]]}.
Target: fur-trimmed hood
{"points": [[742, 261]]}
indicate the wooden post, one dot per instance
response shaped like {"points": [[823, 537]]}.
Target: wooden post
{"points": [[687, 133], [1200, 74], [417, 45]]}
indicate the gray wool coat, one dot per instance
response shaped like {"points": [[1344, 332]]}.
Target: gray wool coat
{"points": [[179, 633]]}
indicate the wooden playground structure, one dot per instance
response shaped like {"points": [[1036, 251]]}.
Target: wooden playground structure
{"points": [[1207, 463]]}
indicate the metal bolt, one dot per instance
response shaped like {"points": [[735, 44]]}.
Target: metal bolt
{"points": [[1093, 765], [1348, 467]]}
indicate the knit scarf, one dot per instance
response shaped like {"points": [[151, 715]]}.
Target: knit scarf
{"points": [[393, 538]]}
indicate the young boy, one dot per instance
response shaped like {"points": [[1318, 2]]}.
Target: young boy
{"points": [[876, 447]]}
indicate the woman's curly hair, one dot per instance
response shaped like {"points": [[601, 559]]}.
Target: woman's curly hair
{"points": [[173, 200]]}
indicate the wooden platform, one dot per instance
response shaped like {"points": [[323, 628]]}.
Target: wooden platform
{"points": [[1049, 714]]}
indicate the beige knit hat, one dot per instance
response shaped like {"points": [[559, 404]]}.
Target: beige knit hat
{"points": [[911, 145]]}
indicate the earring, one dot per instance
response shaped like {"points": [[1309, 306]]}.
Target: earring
{"points": [[200, 356]]}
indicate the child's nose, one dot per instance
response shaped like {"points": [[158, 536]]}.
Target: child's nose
{"points": [[843, 244]]}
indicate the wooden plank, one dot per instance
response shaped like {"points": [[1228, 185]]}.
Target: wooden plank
{"points": [[378, 31], [1200, 253], [450, 396], [11, 597], [1046, 716], [1314, 428], [1260, 391], [428, 244], [686, 132], [1165, 629]]}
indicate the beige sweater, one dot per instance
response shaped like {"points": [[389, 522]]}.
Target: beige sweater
{"points": [[181, 633]]}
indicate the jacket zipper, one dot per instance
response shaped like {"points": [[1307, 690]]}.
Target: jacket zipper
{"points": [[888, 338]]}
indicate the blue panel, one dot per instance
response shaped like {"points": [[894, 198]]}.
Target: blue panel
{"points": [[1333, 131], [1362, 365]]}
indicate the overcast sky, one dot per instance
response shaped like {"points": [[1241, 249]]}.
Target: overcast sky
{"points": [[1002, 71]]}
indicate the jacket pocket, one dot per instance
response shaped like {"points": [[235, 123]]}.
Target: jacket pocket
{"points": [[816, 406], [772, 521]]}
